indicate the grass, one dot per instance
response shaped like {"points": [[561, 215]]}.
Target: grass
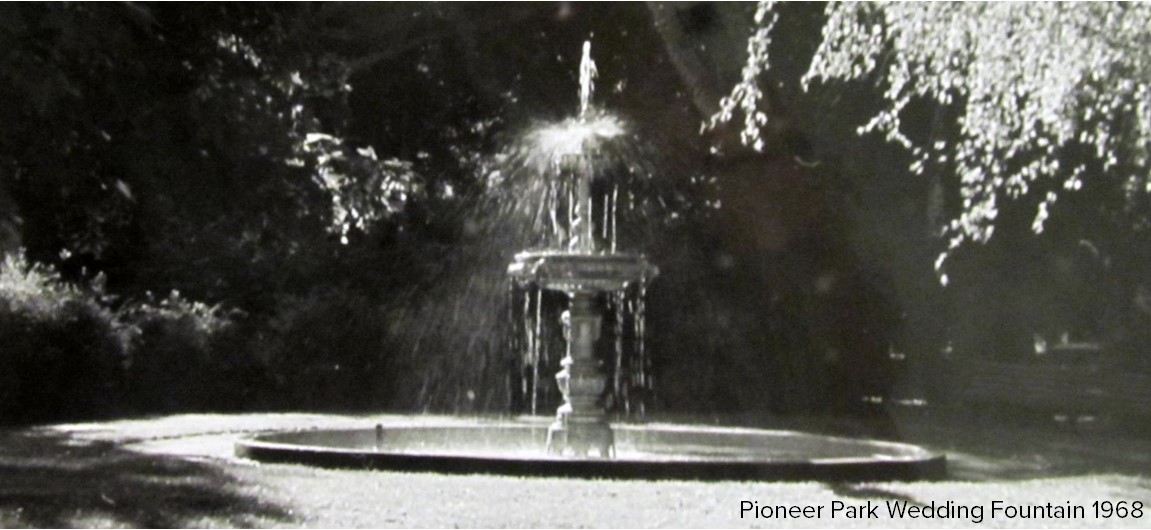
{"points": [[176, 471]]}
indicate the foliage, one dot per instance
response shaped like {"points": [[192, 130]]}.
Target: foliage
{"points": [[746, 96], [1040, 98], [157, 141], [326, 349], [205, 148], [62, 351], [34, 289], [184, 356], [68, 353], [269, 89], [363, 188]]}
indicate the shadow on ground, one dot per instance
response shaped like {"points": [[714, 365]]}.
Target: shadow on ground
{"points": [[993, 449], [868, 491], [994, 446], [51, 480]]}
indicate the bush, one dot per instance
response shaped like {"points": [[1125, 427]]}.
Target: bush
{"points": [[69, 352], [65, 354], [326, 350], [185, 357], [61, 350]]}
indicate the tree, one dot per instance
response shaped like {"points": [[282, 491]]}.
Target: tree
{"points": [[1030, 99], [138, 139]]}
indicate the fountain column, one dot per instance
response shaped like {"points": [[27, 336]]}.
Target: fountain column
{"points": [[581, 423]]}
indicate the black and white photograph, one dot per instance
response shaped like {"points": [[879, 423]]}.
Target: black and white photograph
{"points": [[575, 264]]}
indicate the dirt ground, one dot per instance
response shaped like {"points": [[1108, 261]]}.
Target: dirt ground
{"points": [[178, 471]]}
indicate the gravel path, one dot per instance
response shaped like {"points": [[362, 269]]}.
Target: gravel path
{"points": [[178, 471]]}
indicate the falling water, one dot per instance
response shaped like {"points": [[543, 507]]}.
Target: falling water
{"points": [[572, 175], [619, 392], [614, 218], [538, 349], [643, 375], [531, 352], [628, 363]]}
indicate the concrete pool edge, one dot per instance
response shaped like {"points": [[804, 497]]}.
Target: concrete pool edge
{"points": [[909, 463]]}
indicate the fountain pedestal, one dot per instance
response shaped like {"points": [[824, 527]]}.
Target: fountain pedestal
{"points": [[581, 424]]}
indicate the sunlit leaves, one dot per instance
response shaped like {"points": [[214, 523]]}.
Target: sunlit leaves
{"points": [[1026, 82], [363, 188], [746, 97]]}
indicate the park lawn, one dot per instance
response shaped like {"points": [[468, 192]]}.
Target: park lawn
{"points": [[177, 471]]}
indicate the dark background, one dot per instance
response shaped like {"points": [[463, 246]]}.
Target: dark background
{"points": [[186, 266]]}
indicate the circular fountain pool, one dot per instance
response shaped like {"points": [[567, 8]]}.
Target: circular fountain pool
{"points": [[651, 451]]}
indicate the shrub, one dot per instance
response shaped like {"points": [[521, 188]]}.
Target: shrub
{"points": [[61, 350], [185, 357], [326, 350], [66, 354]]}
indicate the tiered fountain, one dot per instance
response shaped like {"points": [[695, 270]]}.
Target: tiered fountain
{"points": [[579, 258], [580, 269]]}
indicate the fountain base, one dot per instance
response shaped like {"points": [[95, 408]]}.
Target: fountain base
{"points": [[578, 439], [581, 425], [652, 451]]}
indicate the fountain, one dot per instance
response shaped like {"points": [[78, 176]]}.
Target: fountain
{"points": [[579, 258], [580, 270]]}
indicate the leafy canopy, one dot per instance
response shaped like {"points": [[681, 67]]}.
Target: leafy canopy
{"points": [[189, 112], [1041, 97]]}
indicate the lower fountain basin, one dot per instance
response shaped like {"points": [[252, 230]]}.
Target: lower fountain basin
{"points": [[654, 451]]}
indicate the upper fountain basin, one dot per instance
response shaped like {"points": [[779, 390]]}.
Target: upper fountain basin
{"points": [[581, 272]]}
